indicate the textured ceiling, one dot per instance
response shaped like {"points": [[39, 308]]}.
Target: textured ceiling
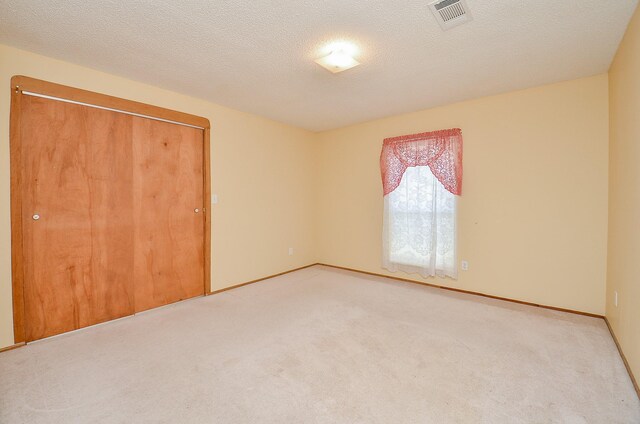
{"points": [[257, 56]]}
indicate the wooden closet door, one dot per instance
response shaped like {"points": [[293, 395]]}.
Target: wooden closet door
{"points": [[76, 216], [168, 232]]}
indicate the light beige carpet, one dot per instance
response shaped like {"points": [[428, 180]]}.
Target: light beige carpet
{"points": [[325, 346]]}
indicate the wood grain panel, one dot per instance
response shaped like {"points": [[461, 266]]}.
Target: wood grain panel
{"points": [[77, 175], [52, 296], [207, 203], [17, 264], [168, 234], [98, 99]]}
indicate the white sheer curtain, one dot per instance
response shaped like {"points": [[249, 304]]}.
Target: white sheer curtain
{"points": [[419, 229]]}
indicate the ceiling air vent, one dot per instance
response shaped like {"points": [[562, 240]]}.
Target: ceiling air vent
{"points": [[450, 13]]}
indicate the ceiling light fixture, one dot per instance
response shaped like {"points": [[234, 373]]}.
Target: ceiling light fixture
{"points": [[339, 59]]}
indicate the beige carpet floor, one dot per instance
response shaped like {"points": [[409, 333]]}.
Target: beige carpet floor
{"points": [[325, 346]]}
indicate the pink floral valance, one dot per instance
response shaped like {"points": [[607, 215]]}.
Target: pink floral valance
{"points": [[439, 150]]}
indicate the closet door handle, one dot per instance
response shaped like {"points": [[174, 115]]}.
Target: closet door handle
{"points": [[35, 217]]}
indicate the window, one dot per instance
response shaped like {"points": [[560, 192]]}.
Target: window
{"points": [[419, 228], [420, 225]]}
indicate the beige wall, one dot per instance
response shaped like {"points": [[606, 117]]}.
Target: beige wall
{"points": [[533, 214], [623, 274], [532, 219], [260, 171]]}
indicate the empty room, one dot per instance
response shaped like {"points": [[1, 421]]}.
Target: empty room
{"points": [[338, 211]]}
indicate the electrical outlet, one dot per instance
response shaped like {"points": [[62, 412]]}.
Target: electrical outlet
{"points": [[615, 299], [214, 199], [465, 266], [290, 251]]}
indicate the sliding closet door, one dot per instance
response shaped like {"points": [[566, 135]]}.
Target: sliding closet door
{"points": [[168, 189], [77, 209]]}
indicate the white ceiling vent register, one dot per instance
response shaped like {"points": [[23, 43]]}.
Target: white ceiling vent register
{"points": [[450, 13]]}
